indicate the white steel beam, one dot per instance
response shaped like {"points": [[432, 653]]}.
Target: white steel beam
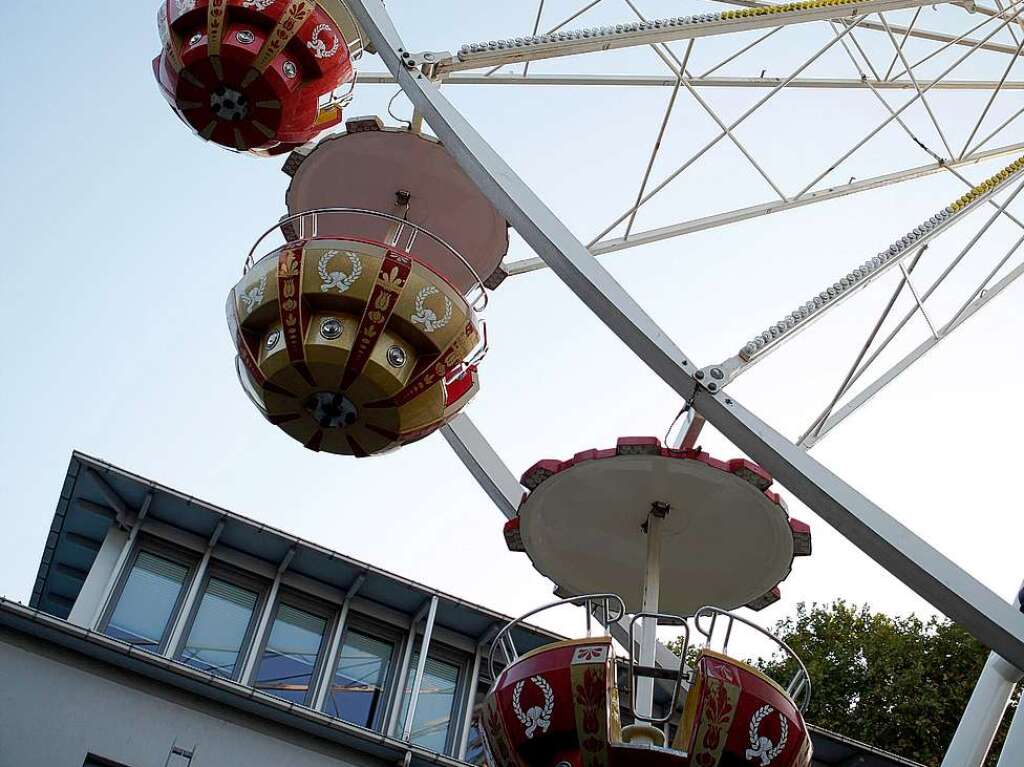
{"points": [[669, 81], [484, 464], [771, 206], [933, 576], [660, 31], [984, 713]]}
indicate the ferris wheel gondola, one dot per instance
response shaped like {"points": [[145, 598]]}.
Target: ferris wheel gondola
{"points": [[257, 76]]}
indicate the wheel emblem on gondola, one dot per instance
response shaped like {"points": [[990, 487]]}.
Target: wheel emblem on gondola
{"points": [[761, 748], [319, 47], [535, 717], [426, 316], [338, 280]]}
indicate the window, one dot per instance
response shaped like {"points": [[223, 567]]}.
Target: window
{"points": [[288, 666], [148, 598], [220, 628], [434, 708], [357, 693]]}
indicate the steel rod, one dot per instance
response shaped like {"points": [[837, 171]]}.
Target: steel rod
{"points": [[844, 387], [927, 345], [892, 117], [675, 174], [991, 98]]}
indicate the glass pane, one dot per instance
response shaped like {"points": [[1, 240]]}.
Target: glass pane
{"points": [[221, 623], [291, 653], [476, 752], [434, 707], [357, 691], [147, 600]]}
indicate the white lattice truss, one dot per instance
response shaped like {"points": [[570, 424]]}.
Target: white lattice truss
{"points": [[975, 54]]}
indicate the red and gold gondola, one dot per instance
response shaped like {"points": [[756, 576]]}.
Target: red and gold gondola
{"points": [[353, 345], [666, 535], [257, 76]]}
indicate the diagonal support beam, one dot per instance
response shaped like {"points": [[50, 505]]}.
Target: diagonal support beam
{"points": [[933, 576]]}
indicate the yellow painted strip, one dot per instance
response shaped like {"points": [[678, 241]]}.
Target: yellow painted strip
{"points": [[287, 27], [988, 185], [216, 14], [171, 41]]}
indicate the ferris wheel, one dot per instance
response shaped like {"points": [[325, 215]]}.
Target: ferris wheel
{"points": [[363, 330]]}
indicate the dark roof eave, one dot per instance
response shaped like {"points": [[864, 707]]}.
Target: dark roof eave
{"points": [[105, 468]]}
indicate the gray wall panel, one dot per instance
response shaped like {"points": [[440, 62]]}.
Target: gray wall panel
{"points": [[55, 706]]}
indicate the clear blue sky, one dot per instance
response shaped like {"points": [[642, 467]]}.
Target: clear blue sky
{"points": [[126, 232]]}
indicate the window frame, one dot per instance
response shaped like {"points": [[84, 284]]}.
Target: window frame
{"points": [[164, 550], [446, 654], [307, 603], [385, 632], [484, 682], [236, 577]]}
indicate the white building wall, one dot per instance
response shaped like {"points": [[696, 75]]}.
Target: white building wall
{"points": [[57, 706]]}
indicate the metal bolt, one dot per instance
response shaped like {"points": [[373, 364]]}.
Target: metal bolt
{"points": [[331, 328], [396, 356], [712, 386], [194, 40], [289, 69], [245, 37], [699, 375], [717, 373]]}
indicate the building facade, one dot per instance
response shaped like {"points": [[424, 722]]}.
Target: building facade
{"points": [[164, 631]]}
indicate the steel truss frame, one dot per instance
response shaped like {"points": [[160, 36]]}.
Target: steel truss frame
{"points": [[912, 560]]}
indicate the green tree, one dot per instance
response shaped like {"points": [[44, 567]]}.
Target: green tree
{"points": [[898, 683]]}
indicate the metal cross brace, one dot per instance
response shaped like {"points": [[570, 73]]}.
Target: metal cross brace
{"points": [[906, 555]]}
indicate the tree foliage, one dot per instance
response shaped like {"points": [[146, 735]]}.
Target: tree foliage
{"points": [[897, 683]]}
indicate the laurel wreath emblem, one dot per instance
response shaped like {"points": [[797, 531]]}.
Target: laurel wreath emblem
{"points": [[339, 280], [259, 5], [536, 717], [760, 746], [426, 316], [318, 46], [253, 295]]}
